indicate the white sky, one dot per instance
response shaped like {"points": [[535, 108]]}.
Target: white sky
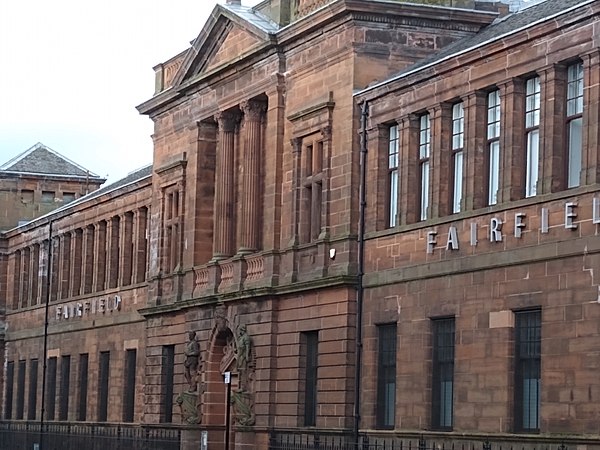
{"points": [[72, 73]]}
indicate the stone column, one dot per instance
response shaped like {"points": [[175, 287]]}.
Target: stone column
{"points": [[475, 188], [553, 83], [513, 160], [100, 257], [409, 169], [126, 238], [141, 245], [76, 267], [224, 186], [65, 265], [441, 155], [24, 274], [114, 253], [249, 223], [35, 274], [88, 259]]}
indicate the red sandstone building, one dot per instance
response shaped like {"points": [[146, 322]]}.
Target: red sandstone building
{"points": [[378, 217]]}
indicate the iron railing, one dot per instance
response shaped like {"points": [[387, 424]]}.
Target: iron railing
{"points": [[83, 436], [330, 441]]}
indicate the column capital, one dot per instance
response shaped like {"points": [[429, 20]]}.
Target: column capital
{"points": [[296, 144], [227, 121], [253, 110]]}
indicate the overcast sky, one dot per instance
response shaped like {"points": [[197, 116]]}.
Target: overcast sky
{"points": [[72, 73]]}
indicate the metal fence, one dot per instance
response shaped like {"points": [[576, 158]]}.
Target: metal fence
{"points": [[23, 436], [327, 441]]}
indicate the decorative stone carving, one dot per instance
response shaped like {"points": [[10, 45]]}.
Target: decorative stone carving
{"points": [[192, 361], [189, 405]]}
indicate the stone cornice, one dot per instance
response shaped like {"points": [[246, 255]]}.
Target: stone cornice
{"points": [[347, 281]]}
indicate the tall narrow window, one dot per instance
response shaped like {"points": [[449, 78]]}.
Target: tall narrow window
{"points": [[83, 387], [386, 376], [129, 385], [51, 389], [65, 375], [312, 190], [10, 381], [493, 145], [528, 341], [166, 404], [424, 153], [32, 396], [20, 390], [574, 123], [393, 151], [458, 142], [532, 136], [103, 377], [310, 352], [442, 389]]}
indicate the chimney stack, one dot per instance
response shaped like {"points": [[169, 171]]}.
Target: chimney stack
{"points": [[234, 2]]}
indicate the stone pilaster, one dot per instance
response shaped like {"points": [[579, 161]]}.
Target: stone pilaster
{"points": [[223, 238], [552, 129], [591, 116], [441, 132], [249, 223], [409, 169], [127, 242], [76, 257], [88, 259], [513, 159], [475, 149]]}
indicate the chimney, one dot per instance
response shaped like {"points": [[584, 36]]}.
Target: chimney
{"points": [[234, 2]]}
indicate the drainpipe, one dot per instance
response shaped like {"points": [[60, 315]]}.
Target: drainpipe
{"points": [[47, 308], [361, 258]]}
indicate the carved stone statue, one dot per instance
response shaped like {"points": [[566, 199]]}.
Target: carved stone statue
{"points": [[192, 359]]}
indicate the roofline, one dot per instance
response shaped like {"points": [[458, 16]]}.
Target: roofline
{"points": [[38, 145], [467, 50], [79, 201], [90, 178]]}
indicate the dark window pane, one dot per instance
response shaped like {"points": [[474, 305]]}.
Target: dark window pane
{"points": [[129, 386], [65, 374], [20, 390], [103, 386], [168, 362], [386, 376], [51, 391], [528, 342], [83, 386], [10, 380], [310, 343], [32, 397], [442, 389]]}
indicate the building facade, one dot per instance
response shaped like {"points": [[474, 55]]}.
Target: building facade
{"points": [[374, 219]]}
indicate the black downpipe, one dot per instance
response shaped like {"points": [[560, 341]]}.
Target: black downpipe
{"points": [[361, 258], [47, 308]]}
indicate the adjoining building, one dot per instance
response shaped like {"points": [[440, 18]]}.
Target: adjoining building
{"points": [[377, 218]]}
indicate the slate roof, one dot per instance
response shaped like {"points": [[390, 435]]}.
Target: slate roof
{"points": [[500, 28], [254, 17], [40, 159]]}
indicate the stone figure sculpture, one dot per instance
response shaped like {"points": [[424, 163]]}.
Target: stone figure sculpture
{"points": [[192, 359]]}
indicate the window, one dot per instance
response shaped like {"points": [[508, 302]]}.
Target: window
{"points": [[103, 377], [393, 153], [458, 142], [47, 196], [532, 134], [65, 374], [310, 353], [386, 376], [168, 361], [20, 390], [172, 230], [83, 387], [129, 385], [574, 123], [51, 392], [26, 196], [10, 380], [312, 196], [68, 197], [527, 370], [32, 396], [424, 151], [493, 145], [442, 389]]}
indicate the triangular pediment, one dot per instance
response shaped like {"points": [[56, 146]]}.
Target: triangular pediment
{"points": [[228, 35]]}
